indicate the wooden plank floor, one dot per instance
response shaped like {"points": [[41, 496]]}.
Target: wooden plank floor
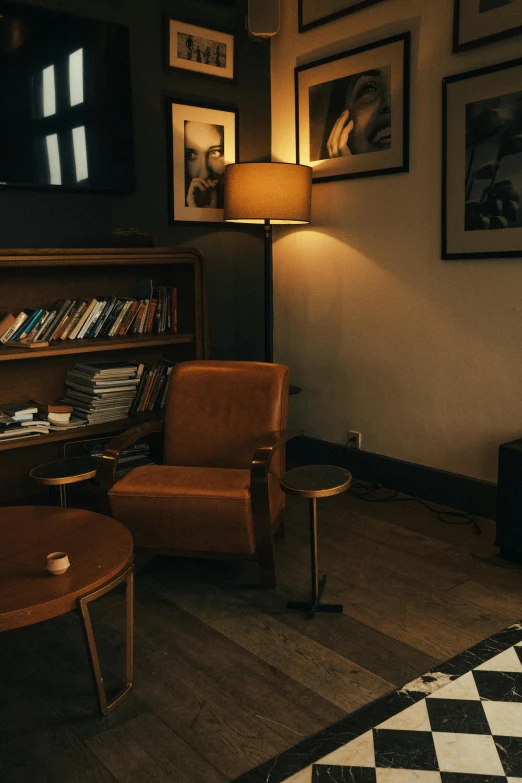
{"points": [[226, 677]]}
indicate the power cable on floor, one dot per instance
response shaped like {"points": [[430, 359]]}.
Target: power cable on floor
{"points": [[369, 493]]}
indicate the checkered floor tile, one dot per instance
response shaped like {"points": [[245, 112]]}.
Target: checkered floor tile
{"points": [[468, 731]]}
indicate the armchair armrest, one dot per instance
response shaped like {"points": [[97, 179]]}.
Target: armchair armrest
{"points": [[259, 470], [266, 450], [261, 501], [114, 449]]}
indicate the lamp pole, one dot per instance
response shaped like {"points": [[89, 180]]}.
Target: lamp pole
{"points": [[269, 290]]}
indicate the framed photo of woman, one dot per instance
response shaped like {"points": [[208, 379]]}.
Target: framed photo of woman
{"points": [[313, 13], [482, 163], [478, 22], [202, 140], [352, 111]]}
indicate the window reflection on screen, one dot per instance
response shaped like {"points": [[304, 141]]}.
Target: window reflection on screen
{"points": [[53, 157], [80, 153], [76, 77], [49, 91]]}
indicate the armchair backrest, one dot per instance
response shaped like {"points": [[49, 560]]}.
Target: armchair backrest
{"points": [[217, 412]]}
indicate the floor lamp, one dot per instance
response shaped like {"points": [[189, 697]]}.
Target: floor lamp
{"points": [[268, 193]]}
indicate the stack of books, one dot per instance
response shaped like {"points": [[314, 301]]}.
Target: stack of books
{"points": [[58, 415], [17, 420], [101, 391], [132, 457], [152, 388], [154, 310]]}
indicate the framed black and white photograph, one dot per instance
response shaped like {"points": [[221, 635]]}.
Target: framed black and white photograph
{"points": [[482, 163], [478, 22], [202, 141], [352, 111], [313, 13], [199, 49]]}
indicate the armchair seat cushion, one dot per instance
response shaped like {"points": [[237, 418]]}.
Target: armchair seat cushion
{"points": [[186, 508]]}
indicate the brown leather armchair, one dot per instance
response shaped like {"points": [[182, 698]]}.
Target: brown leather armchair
{"points": [[217, 493]]}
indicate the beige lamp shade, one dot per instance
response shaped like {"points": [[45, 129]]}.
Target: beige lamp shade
{"points": [[277, 192]]}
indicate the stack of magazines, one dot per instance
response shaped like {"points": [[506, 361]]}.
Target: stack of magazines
{"points": [[17, 420], [132, 457], [101, 391]]}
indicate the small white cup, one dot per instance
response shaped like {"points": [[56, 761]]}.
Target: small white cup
{"points": [[57, 563]]}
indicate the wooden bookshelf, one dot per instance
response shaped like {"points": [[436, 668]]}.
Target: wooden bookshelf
{"points": [[38, 278], [10, 353]]}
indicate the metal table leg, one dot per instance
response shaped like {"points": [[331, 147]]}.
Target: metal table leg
{"points": [[318, 585], [128, 577]]}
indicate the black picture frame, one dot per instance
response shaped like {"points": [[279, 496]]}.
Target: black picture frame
{"points": [[220, 35], [317, 86], [180, 109], [330, 17], [481, 155], [465, 18]]}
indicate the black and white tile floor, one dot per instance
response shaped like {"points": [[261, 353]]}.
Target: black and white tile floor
{"points": [[459, 724]]}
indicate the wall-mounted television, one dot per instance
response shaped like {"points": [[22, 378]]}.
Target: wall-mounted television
{"points": [[65, 101]]}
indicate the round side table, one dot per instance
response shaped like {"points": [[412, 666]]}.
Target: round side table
{"points": [[312, 482], [61, 472]]}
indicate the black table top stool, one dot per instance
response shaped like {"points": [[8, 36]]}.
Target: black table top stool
{"points": [[312, 482]]}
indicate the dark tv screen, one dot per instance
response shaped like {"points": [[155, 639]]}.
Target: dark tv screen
{"points": [[65, 101]]}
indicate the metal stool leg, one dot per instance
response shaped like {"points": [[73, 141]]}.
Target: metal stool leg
{"points": [[90, 642], [318, 585], [63, 495]]}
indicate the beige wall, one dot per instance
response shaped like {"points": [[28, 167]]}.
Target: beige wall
{"points": [[423, 356]]}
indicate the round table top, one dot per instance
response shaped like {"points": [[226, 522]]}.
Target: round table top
{"points": [[66, 471], [316, 481], [99, 548]]}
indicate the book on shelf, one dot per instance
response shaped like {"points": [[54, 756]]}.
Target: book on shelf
{"points": [[18, 409], [55, 412], [59, 310], [28, 324], [74, 316], [20, 318], [31, 334], [29, 316], [89, 307], [22, 432], [6, 322], [95, 369], [27, 343]]}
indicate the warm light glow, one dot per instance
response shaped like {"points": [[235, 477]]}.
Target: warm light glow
{"points": [[53, 156], [80, 153], [278, 192], [76, 77], [49, 91]]}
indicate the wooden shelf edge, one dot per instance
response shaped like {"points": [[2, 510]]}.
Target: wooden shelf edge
{"points": [[77, 433], [8, 353], [115, 256]]}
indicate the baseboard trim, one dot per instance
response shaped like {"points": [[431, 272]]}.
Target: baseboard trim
{"points": [[473, 496]]}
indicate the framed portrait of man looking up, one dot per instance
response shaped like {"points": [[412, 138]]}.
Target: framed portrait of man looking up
{"points": [[352, 111], [202, 140]]}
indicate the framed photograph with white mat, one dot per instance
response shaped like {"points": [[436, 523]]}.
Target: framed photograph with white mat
{"points": [[313, 13], [202, 50], [478, 22], [202, 140], [482, 163], [352, 111]]}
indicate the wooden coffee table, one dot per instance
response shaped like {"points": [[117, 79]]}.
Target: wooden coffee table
{"points": [[101, 554]]}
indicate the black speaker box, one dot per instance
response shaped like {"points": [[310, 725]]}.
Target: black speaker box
{"points": [[509, 500]]}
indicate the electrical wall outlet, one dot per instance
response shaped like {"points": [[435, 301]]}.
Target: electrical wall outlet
{"points": [[354, 439]]}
